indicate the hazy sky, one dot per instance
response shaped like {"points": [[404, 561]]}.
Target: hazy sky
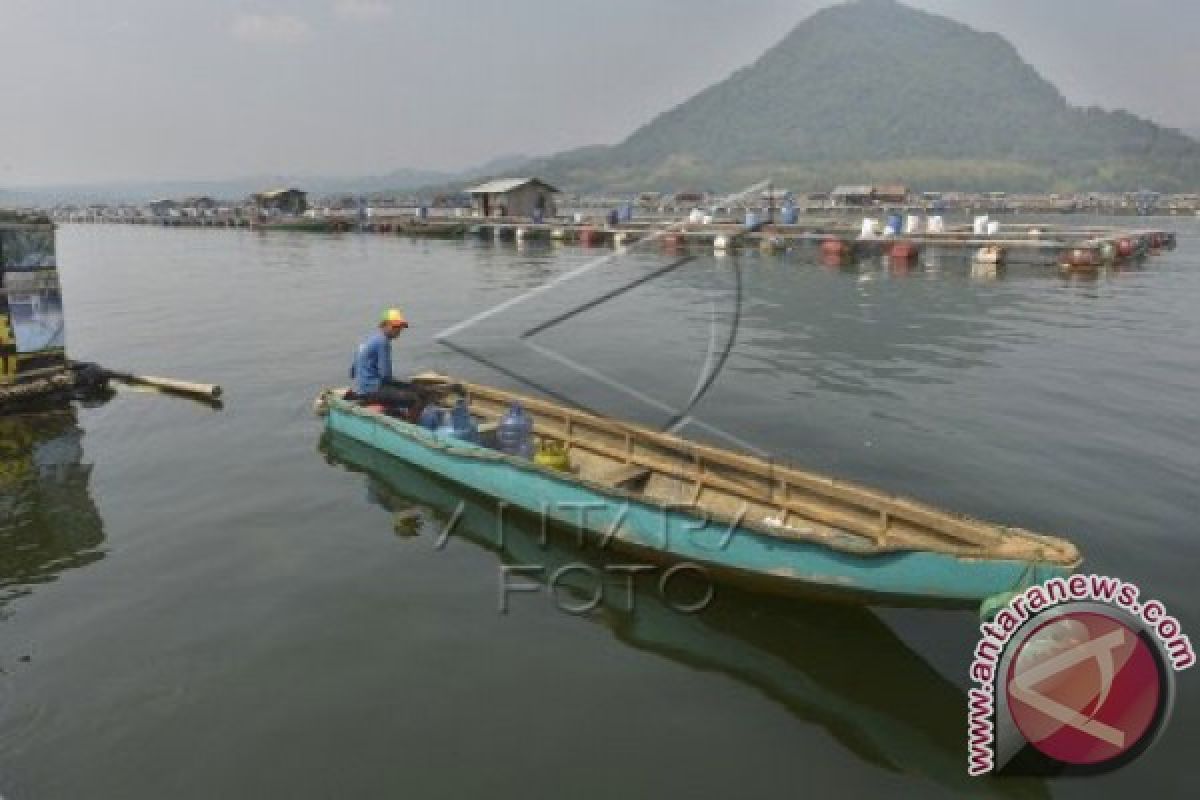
{"points": [[102, 90]]}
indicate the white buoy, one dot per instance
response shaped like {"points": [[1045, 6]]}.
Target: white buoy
{"points": [[869, 228], [993, 227], [980, 227], [696, 217], [721, 243], [520, 234], [558, 234], [619, 239]]}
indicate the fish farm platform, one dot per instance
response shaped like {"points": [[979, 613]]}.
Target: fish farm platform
{"points": [[1072, 248]]}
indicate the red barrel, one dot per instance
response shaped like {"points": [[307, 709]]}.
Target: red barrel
{"points": [[1081, 258], [672, 241], [834, 247], [1125, 248], [587, 236], [903, 251]]}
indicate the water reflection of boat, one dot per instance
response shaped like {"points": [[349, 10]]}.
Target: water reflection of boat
{"points": [[48, 521], [838, 667]]}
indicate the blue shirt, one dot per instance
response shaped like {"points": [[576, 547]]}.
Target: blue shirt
{"points": [[372, 364]]}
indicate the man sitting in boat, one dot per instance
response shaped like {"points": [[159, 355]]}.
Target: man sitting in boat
{"points": [[371, 370]]}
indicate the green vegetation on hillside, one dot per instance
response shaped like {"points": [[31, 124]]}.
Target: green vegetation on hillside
{"points": [[876, 91]]}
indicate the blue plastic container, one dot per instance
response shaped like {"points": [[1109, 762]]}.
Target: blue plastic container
{"points": [[626, 212], [790, 214], [752, 220], [431, 418], [896, 223], [514, 434], [459, 424]]}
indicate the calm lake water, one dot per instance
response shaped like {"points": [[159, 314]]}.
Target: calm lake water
{"points": [[199, 604]]}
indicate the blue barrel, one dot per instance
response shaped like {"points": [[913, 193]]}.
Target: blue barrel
{"points": [[896, 222], [627, 212], [790, 214], [752, 220]]}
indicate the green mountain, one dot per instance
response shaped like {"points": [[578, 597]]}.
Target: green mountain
{"points": [[876, 91]]}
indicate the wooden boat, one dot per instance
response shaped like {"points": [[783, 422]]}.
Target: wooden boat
{"points": [[740, 517]]}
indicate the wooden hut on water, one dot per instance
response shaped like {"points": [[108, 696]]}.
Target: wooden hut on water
{"points": [[514, 197], [33, 359], [281, 201]]}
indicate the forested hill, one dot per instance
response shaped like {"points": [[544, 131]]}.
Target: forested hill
{"points": [[873, 90]]}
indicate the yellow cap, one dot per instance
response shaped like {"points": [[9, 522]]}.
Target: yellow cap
{"points": [[394, 317]]}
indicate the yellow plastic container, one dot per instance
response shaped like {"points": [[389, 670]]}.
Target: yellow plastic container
{"points": [[551, 455]]}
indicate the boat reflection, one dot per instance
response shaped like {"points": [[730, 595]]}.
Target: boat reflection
{"points": [[839, 667], [48, 521]]}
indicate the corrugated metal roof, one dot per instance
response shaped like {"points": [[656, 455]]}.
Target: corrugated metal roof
{"points": [[852, 190], [507, 185]]}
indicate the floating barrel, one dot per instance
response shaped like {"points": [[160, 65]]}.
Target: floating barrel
{"points": [[903, 251], [1125, 248], [1081, 258], [619, 239], [989, 254], [771, 244], [833, 246], [588, 237], [673, 241], [722, 243]]}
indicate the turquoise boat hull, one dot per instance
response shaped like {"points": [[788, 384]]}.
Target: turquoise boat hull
{"points": [[907, 577]]}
